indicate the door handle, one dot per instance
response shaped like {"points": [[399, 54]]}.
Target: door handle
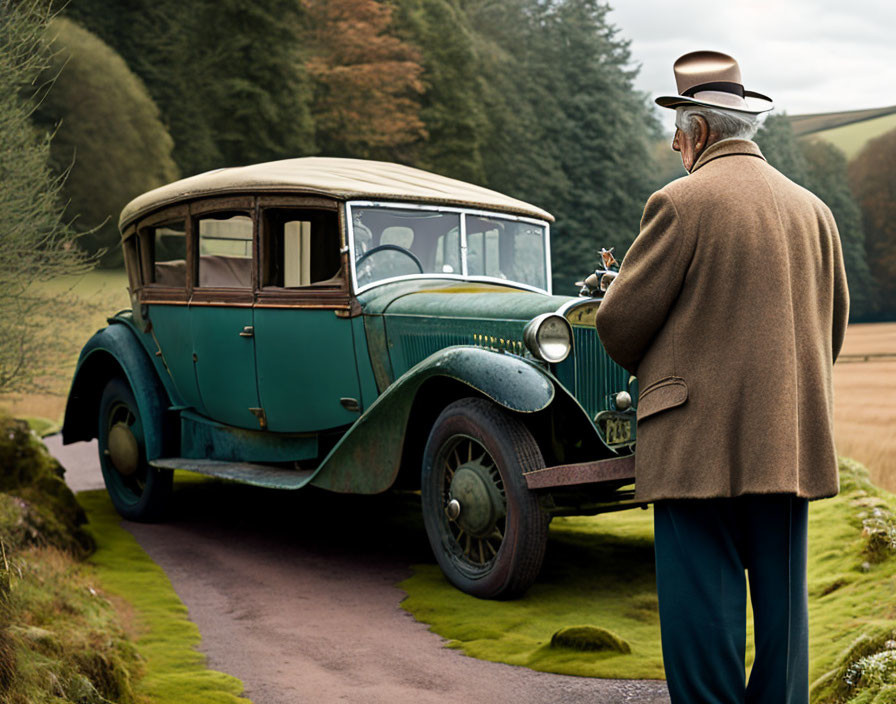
{"points": [[248, 331]]}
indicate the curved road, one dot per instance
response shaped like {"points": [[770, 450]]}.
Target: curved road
{"points": [[294, 594]]}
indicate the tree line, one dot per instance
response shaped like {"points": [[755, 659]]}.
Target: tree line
{"points": [[532, 98]]}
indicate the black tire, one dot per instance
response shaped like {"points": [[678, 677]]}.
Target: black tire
{"points": [[138, 492], [484, 553]]}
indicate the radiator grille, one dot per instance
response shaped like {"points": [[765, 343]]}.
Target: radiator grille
{"points": [[597, 376]]}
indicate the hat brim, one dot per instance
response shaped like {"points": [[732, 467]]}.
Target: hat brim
{"points": [[756, 103]]}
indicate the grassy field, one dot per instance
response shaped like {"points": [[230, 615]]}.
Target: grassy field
{"points": [[93, 298], [865, 401], [850, 139]]}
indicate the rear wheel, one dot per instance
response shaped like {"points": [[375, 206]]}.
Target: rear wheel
{"points": [[138, 492], [486, 529]]}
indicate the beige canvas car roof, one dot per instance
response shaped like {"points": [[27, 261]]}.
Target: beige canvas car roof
{"points": [[337, 178]]}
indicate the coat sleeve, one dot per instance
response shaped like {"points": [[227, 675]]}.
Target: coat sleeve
{"points": [[637, 303], [840, 311]]}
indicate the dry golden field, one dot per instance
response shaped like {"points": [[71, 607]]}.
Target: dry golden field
{"points": [[865, 400], [865, 391]]}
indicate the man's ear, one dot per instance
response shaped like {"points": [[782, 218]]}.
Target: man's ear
{"points": [[701, 134]]}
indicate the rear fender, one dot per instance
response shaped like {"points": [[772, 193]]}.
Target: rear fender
{"points": [[116, 351]]}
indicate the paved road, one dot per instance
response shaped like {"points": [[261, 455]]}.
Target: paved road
{"points": [[294, 593]]}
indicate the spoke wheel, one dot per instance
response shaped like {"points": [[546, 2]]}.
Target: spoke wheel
{"points": [[486, 529], [474, 500], [138, 492]]}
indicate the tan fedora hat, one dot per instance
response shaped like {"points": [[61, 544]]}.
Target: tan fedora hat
{"points": [[712, 78]]}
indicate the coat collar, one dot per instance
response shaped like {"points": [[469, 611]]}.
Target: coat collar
{"points": [[728, 147]]}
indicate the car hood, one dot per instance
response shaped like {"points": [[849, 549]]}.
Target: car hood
{"points": [[460, 299]]}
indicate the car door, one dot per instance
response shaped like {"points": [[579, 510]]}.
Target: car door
{"points": [[221, 311], [305, 352], [165, 263]]}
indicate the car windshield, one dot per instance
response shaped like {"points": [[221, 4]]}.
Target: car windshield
{"points": [[390, 242]]}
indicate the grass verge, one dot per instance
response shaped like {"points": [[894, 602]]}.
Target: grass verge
{"points": [[107, 630], [599, 573], [61, 639], [175, 671]]}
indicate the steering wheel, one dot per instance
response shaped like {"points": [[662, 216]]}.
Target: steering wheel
{"points": [[393, 247]]}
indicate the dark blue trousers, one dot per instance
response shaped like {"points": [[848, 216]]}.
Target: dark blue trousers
{"points": [[703, 547]]}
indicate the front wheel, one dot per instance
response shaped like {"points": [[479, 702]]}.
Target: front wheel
{"points": [[486, 529], [138, 492]]}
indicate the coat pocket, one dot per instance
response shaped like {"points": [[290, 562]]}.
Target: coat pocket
{"points": [[662, 395]]}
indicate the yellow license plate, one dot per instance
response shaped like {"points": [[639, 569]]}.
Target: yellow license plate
{"points": [[617, 430]]}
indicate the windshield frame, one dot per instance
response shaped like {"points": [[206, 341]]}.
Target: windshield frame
{"points": [[464, 275]]}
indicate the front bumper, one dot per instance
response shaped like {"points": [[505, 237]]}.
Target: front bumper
{"points": [[615, 471]]}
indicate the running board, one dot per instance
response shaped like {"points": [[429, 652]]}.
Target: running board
{"points": [[243, 472]]}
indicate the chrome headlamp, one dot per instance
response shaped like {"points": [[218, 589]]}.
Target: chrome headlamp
{"points": [[549, 337]]}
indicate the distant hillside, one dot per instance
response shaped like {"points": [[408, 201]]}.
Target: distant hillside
{"points": [[849, 130]]}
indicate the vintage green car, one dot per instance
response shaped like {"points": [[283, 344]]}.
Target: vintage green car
{"points": [[358, 326]]}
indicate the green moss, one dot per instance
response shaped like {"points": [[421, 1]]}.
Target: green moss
{"points": [[175, 671], [42, 426], [589, 639], [599, 570], [62, 624], [36, 506]]}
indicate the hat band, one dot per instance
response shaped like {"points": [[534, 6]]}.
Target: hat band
{"points": [[721, 86]]}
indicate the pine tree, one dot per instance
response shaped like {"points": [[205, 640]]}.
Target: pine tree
{"points": [[227, 76], [873, 181], [451, 105], [599, 129], [779, 146], [821, 168], [828, 178], [156, 40], [249, 80]]}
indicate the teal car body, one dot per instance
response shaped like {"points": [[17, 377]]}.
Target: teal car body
{"points": [[312, 321]]}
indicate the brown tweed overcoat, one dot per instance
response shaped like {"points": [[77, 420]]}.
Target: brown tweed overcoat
{"points": [[730, 307]]}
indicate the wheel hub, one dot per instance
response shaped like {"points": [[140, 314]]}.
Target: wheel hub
{"points": [[480, 502], [124, 453]]}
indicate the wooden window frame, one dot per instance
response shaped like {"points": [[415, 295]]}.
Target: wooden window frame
{"points": [[214, 295], [337, 298], [149, 292]]}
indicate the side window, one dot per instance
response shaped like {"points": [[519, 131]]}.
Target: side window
{"points": [[301, 248], [163, 250], [225, 250]]}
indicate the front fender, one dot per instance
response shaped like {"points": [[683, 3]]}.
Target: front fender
{"points": [[368, 457], [115, 351]]}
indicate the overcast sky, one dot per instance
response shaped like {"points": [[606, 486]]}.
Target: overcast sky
{"points": [[807, 55]]}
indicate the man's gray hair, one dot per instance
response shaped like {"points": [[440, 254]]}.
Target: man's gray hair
{"points": [[728, 124]]}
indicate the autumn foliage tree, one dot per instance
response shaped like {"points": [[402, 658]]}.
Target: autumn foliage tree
{"points": [[367, 81], [873, 181]]}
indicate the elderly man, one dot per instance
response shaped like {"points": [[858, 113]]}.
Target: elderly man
{"points": [[730, 307]]}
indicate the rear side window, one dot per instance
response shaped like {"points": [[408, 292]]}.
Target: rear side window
{"points": [[225, 250], [164, 253]]}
